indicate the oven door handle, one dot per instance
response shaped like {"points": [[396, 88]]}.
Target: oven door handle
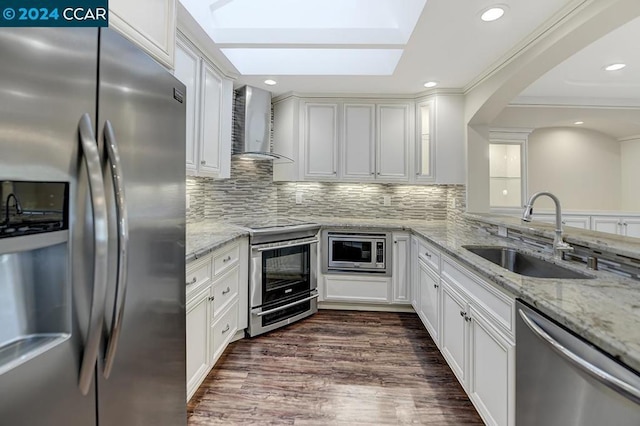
{"points": [[283, 307], [294, 243]]}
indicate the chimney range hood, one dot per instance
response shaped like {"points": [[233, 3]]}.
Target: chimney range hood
{"points": [[252, 124]]}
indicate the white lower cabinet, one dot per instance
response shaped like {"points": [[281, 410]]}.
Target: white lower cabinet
{"points": [[217, 307], [429, 306], [357, 288], [478, 341], [400, 270], [627, 226]]}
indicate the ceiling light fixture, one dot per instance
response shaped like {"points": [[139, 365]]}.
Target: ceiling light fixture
{"points": [[270, 82], [579, 122], [430, 84], [615, 67], [492, 14]]}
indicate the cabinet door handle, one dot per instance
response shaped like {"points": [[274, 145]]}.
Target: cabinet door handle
{"points": [[462, 313], [226, 329], [373, 173], [435, 286], [211, 298], [226, 291], [426, 253], [203, 162], [193, 281], [624, 223], [467, 318]]}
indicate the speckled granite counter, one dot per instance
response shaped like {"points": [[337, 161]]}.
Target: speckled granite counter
{"points": [[205, 236], [604, 310]]}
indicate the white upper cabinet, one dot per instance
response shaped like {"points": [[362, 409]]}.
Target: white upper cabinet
{"points": [[424, 146], [358, 147], [188, 72], [151, 24], [393, 142], [209, 113], [321, 141]]}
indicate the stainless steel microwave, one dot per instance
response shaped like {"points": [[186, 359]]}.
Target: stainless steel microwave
{"points": [[357, 252]]}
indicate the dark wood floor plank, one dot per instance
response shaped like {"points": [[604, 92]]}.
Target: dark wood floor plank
{"points": [[335, 368]]}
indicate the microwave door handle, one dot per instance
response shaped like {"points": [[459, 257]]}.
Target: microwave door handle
{"points": [[123, 245], [89, 148]]}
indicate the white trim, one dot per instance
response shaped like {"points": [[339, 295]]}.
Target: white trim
{"points": [[342, 306]]}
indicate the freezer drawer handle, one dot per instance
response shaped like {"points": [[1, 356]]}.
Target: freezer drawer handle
{"points": [[623, 388], [283, 307], [100, 250], [123, 244]]}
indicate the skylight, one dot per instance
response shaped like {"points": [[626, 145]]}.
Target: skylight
{"points": [[314, 61], [271, 37]]}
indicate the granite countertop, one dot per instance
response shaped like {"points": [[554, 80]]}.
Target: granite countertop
{"points": [[604, 310], [205, 236]]}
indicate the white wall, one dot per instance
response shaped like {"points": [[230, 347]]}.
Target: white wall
{"points": [[580, 166], [630, 174]]}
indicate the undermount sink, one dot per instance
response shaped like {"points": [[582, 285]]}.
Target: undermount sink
{"points": [[524, 264]]}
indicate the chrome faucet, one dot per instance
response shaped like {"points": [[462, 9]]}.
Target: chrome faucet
{"points": [[559, 246], [17, 205]]}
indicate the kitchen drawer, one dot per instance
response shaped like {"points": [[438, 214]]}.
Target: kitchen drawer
{"points": [[223, 330], [429, 255], [225, 258], [225, 291], [492, 300], [198, 272]]}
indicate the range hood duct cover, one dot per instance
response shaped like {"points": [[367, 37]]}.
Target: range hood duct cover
{"points": [[252, 124]]}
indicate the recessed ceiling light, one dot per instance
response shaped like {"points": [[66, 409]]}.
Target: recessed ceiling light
{"points": [[615, 67], [492, 14], [270, 82], [430, 84], [579, 122]]}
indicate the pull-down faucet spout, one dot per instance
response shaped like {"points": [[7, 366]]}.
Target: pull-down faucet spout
{"points": [[559, 246]]}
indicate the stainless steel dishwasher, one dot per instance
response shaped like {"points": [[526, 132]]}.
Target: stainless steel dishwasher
{"points": [[563, 380]]}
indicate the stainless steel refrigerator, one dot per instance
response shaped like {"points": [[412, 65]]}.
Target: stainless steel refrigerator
{"points": [[92, 228]]}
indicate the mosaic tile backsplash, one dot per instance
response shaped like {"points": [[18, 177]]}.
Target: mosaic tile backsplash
{"points": [[250, 192]]}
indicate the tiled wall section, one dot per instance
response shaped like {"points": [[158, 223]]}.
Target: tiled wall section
{"points": [[251, 193], [433, 202]]}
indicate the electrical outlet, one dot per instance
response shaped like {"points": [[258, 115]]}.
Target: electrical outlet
{"points": [[387, 200], [298, 197], [188, 200]]}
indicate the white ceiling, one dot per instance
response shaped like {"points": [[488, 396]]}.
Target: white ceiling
{"points": [[450, 44]]}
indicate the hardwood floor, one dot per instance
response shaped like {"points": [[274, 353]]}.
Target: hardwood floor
{"points": [[335, 368]]}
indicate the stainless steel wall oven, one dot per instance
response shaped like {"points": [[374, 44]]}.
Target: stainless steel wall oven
{"points": [[283, 282], [348, 252]]}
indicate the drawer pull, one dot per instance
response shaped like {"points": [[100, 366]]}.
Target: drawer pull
{"points": [[193, 281], [435, 286], [211, 298], [426, 253], [226, 259], [226, 329], [462, 313], [226, 291]]}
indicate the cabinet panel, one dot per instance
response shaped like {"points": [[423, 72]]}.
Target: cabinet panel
{"points": [[606, 224], [356, 288], [454, 327], [188, 72], [400, 273], [151, 24], [424, 146], [358, 142], [429, 300], [393, 142], [631, 226], [197, 339], [415, 275], [492, 364], [321, 140], [211, 105]]}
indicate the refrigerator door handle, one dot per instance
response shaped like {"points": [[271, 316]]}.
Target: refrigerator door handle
{"points": [[618, 385], [100, 247], [123, 244]]}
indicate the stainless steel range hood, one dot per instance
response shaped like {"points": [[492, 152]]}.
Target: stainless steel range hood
{"points": [[252, 124]]}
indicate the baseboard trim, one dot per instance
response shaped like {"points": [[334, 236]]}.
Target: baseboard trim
{"points": [[365, 307]]}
